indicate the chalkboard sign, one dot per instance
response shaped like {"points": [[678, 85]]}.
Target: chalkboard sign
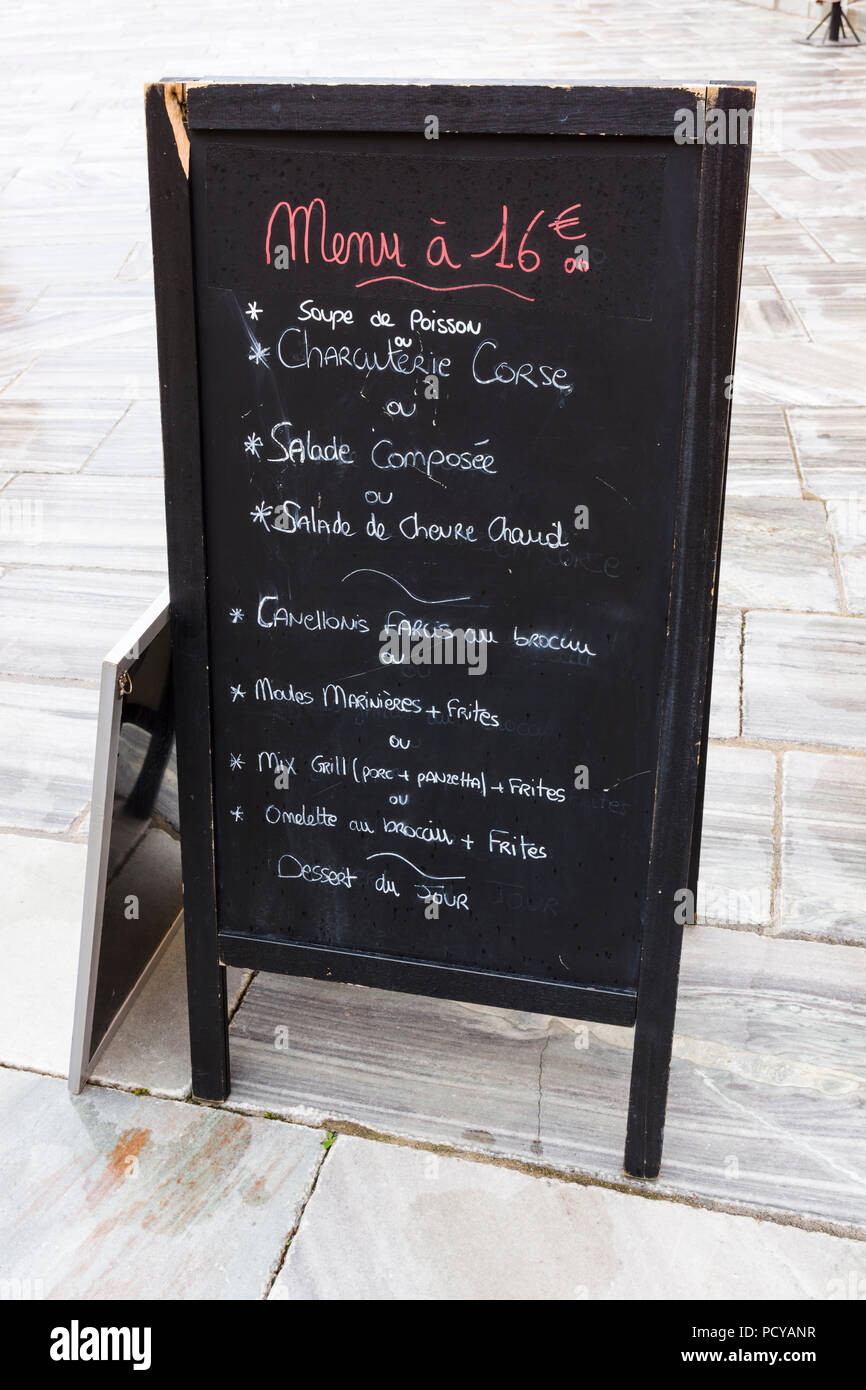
{"points": [[445, 380]]}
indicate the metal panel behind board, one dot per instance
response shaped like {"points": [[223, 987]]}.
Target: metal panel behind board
{"points": [[133, 893]]}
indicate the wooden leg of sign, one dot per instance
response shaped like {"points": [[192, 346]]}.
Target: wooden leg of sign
{"points": [[168, 158], [651, 1059], [657, 991], [208, 1024], [657, 997]]}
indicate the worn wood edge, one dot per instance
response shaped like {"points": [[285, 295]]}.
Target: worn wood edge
{"points": [[178, 389], [603, 109], [592, 1003], [174, 97], [175, 105], [444, 83], [715, 97]]}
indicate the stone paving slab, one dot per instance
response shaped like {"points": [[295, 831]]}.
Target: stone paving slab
{"points": [[120, 1196], [847, 520], [802, 374], [776, 554], [89, 522], [831, 445], [766, 316], [43, 885], [134, 447], [151, 1047], [755, 275], [390, 1223], [737, 842], [46, 617], [75, 325], [97, 185], [836, 198], [137, 269], [758, 211], [46, 754], [799, 1017], [829, 164], [776, 243], [812, 282], [54, 436], [119, 371], [832, 318], [760, 461], [824, 847], [803, 679], [844, 238], [725, 699], [30, 262], [765, 1114], [40, 929]]}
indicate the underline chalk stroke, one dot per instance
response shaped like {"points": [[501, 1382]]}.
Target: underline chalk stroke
{"points": [[445, 289], [437, 878]]}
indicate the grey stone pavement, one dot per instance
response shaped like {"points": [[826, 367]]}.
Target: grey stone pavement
{"points": [[477, 1152]]}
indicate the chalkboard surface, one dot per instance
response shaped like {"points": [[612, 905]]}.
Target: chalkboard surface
{"points": [[451, 397], [455, 508]]}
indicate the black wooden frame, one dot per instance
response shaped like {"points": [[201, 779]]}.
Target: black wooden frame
{"points": [[174, 109]]}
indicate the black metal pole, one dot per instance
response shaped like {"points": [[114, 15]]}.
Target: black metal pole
{"points": [[835, 27]]}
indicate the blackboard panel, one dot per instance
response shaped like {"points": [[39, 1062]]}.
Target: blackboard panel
{"points": [[536, 878]]}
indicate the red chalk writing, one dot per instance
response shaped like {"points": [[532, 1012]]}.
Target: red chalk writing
{"points": [[302, 233]]}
